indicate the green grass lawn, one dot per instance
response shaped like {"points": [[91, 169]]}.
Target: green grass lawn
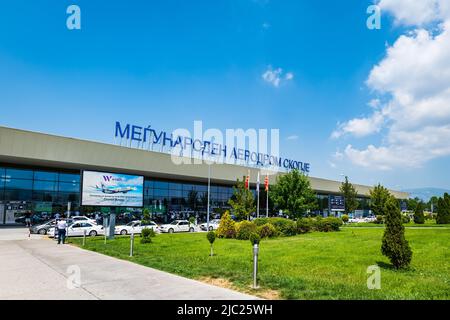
{"points": [[428, 223], [311, 266]]}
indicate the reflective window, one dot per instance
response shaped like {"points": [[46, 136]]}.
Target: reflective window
{"points": [[18, 184], [149, 184], [44, 175], [44, 185], [17, 195], [45, 196], [19, 174], [64, 197], [161, 185], [69, 187], [67, 177], [161, 193], [175, 186], [175, 193]]}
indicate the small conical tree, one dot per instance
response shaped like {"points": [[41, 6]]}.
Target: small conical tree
{"points": [[227, 228], [394, 244], [419, 217], [211, 236]]}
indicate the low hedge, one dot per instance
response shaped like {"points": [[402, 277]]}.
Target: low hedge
{"points": [[305, 225], [267, 231], [244, 229], [285, 227], [328, 224], [273, 227]]}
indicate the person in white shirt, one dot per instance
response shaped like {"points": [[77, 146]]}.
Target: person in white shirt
{"points": [[61, 225]]}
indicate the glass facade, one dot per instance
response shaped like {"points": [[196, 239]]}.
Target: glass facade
{"points": [[43, 192], [46, 192]]}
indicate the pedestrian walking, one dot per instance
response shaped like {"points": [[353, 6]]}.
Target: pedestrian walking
{"points": [[28, 219], [61, 225]]}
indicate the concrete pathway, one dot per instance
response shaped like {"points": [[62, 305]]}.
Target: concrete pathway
{"points": [[38, 268]]}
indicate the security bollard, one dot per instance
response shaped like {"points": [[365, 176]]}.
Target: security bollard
{"points": [[84, 237], [131, 244], [255, 265]]}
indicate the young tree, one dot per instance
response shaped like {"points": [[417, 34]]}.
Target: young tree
{"points": [[242, 202], [349, 192], [394, 245], [146, 215], [227, 227], [379, 195], [443, 210], [419, 218], [293, 193]]}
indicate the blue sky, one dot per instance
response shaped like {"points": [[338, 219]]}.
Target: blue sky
{"points": [[168, 63]]}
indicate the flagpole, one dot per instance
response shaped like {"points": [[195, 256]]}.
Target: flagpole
{"points": [[257, 194], [267, 197]]}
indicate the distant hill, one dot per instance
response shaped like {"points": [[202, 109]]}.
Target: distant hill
{"points": [[426, 193]]}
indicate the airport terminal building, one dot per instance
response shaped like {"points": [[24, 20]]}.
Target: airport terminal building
{"points": [[44, 173]]}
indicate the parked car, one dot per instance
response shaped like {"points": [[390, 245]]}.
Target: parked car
{"points": [[77, 229], [213, 225], [135, 227], [83, 219], [177, 226], [43, 227]]}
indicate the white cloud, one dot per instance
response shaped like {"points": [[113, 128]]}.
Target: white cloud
{"points": [[293, 137], [414, 80], [275, 76], [415, 12], [360, 127]]}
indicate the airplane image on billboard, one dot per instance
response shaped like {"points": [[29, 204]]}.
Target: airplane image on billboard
{"points": [[112, 189]]}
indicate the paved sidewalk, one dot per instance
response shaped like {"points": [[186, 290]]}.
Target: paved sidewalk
{"points": [[37, 268]]}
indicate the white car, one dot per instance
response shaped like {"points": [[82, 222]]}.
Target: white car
{"points": [[83, 219], [177, 226], [78, 228], [213, 225], [135, 227]]}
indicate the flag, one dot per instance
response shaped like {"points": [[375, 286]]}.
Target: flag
{"points": [[257, 184], [247, 181], [266, 183]]}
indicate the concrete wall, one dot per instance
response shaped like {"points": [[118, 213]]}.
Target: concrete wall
{"points": [[31, 148]]}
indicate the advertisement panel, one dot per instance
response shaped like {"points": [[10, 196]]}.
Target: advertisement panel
{"points": [[112, 189], [336, 203]]}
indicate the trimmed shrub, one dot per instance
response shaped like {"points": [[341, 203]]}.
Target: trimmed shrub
{"points": [[254, 238], [406, 219], [286, 227], [419, 217], [379, 220], [146, 235], [227, 227], [328, 224], [244, 229], [211, 236], [261, 221], [304, 225], [267, 231], [345, 218]]}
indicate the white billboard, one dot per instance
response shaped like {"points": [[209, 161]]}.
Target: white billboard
{"points": [[112, 189]]}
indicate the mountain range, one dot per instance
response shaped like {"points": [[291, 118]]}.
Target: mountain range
{"points": [[426, 193]]}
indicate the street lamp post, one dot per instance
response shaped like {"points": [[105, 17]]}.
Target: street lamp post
{"points": [[209, 189]]}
